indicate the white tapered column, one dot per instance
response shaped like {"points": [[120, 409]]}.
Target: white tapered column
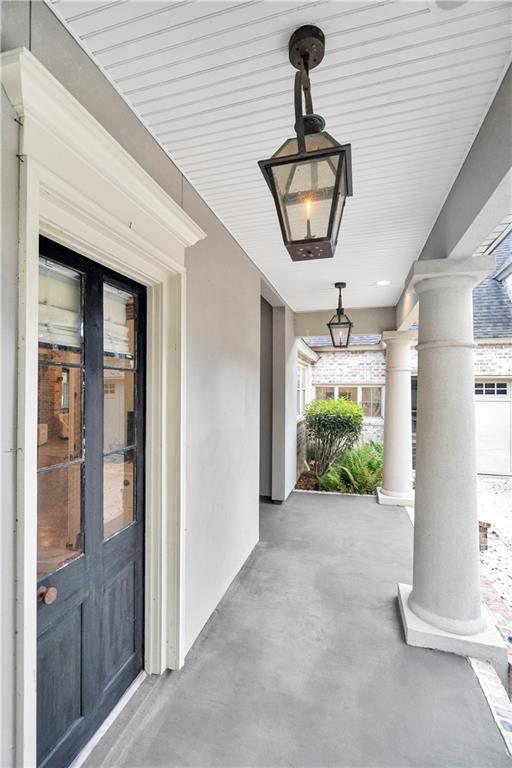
{"points": [[397, 486], [444, 608]]}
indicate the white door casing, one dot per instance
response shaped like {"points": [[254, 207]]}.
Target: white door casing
{"points": [[79, 187]]}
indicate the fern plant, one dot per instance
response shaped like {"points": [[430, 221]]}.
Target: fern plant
{"points": [[360, 468]]}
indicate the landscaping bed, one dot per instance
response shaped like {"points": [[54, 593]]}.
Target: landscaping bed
{"points": [[308, 481], [337, 461]]}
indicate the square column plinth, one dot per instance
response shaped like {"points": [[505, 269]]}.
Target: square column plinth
{"points": [[487, 645]]}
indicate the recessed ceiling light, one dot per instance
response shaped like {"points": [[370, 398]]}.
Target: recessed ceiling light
{"points": [[384, 282]]}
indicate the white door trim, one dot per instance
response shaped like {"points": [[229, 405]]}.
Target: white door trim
{"points": [[81, 189]]}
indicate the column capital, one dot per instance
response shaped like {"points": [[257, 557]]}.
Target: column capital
{"points": [[433, 273]]}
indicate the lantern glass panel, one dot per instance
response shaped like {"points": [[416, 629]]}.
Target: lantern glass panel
{"points": [[340, 333], [313, 141], [341, 200], [305, 191]]}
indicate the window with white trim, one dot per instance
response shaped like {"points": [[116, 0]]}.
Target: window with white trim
{"points": [[491, 388], [302, 386], [325, 393], [348, 393], [370, 397], [371, 400]]}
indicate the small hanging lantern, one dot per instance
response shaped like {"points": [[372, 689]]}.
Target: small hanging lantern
{"points": [[310, 176], [340, 325]]}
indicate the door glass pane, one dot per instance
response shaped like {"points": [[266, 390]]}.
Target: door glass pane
{"points": [[119, 414], [60, 416], [118, 327], [118, 491], [59, 506], [59, 427], [60, 313]]}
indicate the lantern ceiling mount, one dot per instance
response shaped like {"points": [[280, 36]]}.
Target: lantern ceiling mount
{"points": [[307, 47], [310, 175]]}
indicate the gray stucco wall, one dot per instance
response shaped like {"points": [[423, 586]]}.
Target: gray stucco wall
{"points": [[222, 366], [222, 429], [8, 313]]}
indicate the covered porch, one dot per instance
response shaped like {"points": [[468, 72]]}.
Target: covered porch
{"points": [[304, 663], [131, 139]]}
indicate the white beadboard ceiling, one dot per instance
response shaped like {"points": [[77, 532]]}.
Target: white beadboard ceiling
{"points": [[406, 82]]}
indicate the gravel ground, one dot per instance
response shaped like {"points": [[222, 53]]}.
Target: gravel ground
{"points": [[495, 504], [495, 507]]}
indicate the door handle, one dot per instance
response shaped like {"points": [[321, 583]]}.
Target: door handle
{"points": [[47, 595]]}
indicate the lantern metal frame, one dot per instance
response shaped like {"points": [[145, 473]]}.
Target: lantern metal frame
{"points": [[340, 319], [306, 51]]}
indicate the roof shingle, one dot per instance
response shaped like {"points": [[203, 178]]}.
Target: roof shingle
{"points": [[492, 307]]}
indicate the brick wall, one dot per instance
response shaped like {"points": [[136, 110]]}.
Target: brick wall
{"points": [[493, 360], [365, 367], [373, 431], [369, 367], [490, 360]]}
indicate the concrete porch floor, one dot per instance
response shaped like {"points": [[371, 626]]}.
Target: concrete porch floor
{"points": [[304, 662]]}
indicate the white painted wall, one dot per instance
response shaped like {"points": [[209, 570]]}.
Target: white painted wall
{"points": [[8, 313]]}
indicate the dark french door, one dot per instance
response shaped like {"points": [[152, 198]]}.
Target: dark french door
{"points": [[90, 497]]}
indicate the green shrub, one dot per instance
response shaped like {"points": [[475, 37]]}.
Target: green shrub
{"points": [[360, 468], [330, 481], [333, 426]]}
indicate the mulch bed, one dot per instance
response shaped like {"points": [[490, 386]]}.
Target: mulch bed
{"points": [[307, 482]]}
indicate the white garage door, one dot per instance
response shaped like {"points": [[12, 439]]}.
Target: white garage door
{"points": [[493, 406]]}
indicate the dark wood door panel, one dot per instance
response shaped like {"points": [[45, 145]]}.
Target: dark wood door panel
{"points": [[59, 677], [118, 623], [119, 550]]}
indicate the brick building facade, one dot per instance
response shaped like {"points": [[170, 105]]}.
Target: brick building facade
{"points": [[367, 367]]}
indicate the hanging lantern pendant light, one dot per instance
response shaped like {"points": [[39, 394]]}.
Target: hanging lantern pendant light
{"points": [[310, 175], [340, 325]]}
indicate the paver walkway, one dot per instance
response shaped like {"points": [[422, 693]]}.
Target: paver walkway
{"points": [[304, 662]]}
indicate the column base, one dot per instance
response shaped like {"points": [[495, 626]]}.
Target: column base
{"points": [[487, 645], [397, 500]]}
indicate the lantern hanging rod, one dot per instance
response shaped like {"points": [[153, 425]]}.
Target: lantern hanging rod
{"points": [[340, 287], [306, 50]]}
